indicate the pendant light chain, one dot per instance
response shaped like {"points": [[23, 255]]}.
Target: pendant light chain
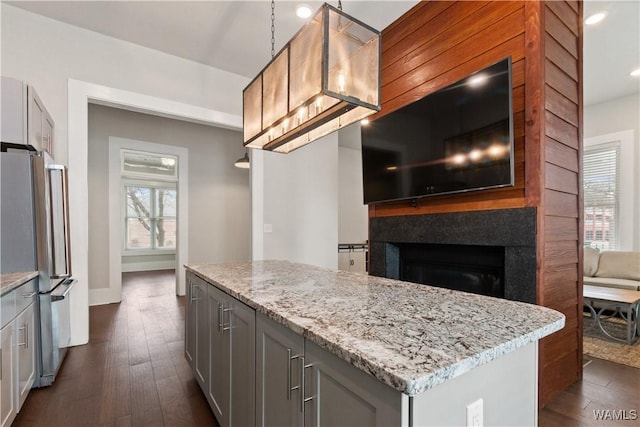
{"points": [[273, 28], [339, 4]]}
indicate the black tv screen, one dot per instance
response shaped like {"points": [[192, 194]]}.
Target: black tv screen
{"points": [[457, 139]]}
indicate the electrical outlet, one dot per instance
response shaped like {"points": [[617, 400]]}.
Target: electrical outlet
{"points": [[475, 414], [268, 228]]}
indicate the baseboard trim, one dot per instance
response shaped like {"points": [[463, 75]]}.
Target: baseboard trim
{"points": [[100, 296], [148, 266]]}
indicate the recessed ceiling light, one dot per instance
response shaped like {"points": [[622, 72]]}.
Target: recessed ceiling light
{"points": [[303, 11], [595, 18], [635, 73]]}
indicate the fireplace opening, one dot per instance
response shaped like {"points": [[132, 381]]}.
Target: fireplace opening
{"points": [[468, 268]]}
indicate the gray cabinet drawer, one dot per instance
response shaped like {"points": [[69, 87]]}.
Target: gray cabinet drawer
{"points": [[25, 295], [8, 307]]}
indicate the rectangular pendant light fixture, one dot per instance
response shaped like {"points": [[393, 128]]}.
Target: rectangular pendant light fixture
{"points": [[326, 77]]}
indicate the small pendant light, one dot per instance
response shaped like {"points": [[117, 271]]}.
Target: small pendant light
{"points": [[243, 162]]}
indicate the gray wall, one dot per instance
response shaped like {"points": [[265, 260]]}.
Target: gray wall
{"points": [[219, 201]]}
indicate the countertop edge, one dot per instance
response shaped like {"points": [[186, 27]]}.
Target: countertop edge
{"points": [[11, 281], [410, 387]]}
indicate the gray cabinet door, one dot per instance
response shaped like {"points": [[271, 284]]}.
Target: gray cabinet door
{"points": [[7, 379], [202, 333], [218, 391], [278, 371], [341, 395], [14, 111], [25, 334], [37, 113], [47, 133], [242, 321], [190, 321]]}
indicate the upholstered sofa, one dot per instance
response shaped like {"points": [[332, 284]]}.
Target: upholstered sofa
{"points": [[612, 269]]}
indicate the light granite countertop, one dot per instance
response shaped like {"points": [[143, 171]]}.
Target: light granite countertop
{"points": [[10, 281], [411, 337]]}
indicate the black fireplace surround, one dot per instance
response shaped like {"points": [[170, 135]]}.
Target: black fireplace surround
{"points": [[487, 252]]}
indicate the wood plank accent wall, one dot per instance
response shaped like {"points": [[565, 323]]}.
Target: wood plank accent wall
{"points": [[560, 214], [439, 42]]}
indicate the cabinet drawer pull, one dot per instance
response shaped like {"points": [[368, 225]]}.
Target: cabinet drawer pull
{"points": [[304, 399], [29, 295], [25, 328], [226, 310], [289, 359], [220, 315], [193, 298]]}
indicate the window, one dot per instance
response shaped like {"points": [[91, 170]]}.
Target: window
{"points": [[601, 195], [150, 220], [148, 165]]}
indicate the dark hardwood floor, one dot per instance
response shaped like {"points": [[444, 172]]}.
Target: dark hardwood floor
{"points": [[133, 372], [605, 386]]}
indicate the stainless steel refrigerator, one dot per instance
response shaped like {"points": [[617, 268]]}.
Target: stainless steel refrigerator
{"points": [[35, 236]]}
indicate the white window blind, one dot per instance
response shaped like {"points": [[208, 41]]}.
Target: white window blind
{"points": [[601, 171]]}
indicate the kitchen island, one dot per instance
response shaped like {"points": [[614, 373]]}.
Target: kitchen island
{"points": [[316, 346]]}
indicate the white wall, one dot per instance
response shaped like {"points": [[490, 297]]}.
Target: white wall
{"points": [[46, 53], [219, 208], [353, 219], [57, 58], [613, 116], [300, 191]]}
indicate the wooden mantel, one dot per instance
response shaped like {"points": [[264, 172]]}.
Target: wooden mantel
{"points": [[439, 42]]}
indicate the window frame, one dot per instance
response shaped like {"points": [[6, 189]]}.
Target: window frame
{"points": [[153, 185], [148, 175], [597, 212]]}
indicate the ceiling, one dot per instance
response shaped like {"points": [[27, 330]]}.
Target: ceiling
{"points": [[230, 35], [611, 51], [236, 35]]}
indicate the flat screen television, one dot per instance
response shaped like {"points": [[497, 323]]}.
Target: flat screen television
{"points": [[457, 139]]}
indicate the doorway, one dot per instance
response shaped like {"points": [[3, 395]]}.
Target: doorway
{"points": [[148, 211]]}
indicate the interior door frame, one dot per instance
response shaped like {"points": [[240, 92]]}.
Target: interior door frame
{"points": [[80, 94], [116, 225]]}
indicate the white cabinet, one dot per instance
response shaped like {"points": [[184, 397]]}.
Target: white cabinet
{"points": [[299, 383], [8, 408], [25, 348], [17, 349], [25, 120], [220, 347], [40, 123]]}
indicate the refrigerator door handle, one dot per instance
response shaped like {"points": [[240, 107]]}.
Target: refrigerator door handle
{"points": [[62, 290], [60, 251]]}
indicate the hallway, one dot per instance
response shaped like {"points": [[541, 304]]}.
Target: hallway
{"points": [[132, 372]]}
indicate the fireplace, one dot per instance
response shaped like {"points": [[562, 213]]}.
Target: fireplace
{"points": [[468, 268], [486, 252]]}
